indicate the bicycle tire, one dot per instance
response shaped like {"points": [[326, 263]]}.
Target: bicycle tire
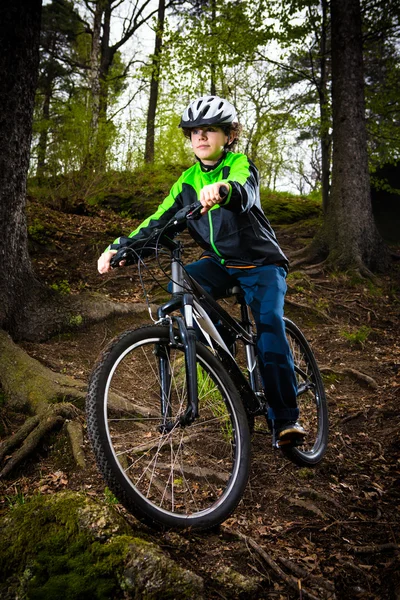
{"points": [[190, 477], [311, 400]]}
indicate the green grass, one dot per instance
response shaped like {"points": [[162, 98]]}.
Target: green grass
{"points": [[286, 208], [357, 337], [137, 194]]}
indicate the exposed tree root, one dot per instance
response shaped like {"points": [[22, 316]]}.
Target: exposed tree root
{"points": [[318, 256], [314, 254], [324, 587], [75, 432], [50, 419], [94, 308], [45, 395], [30, 386], [47, 315], [310, 308], [353, 373]]}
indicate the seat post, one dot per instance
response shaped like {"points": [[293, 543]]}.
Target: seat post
{"points": [[244, 311]]}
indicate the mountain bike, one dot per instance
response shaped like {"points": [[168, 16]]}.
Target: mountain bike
{"points": [[171, 406]]}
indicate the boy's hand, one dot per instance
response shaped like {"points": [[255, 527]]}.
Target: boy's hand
{"points": [[209, 195], [103, 264]]}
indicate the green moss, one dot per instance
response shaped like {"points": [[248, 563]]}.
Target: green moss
{"points": [[75, 320], [68, 546], [61, 287], [63, 559], [305, 473], [40, 233], [109, 497], [331, 378]]}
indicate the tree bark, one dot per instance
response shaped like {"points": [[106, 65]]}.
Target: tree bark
{"points": [[154, 85], [95, 69], [325, 136], [107, 57], [213, 85], [42, 146], [349, 229], [19, 61]]}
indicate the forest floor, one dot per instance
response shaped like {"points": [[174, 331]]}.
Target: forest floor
{"points": [[334, 528]]}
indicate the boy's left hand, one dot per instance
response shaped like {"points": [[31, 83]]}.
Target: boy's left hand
{"points": [[209, 195]]}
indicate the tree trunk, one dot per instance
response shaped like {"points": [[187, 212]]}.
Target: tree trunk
{"points": [[19, 61], [95, 69], [213, 86], [42, 146], [107, 57], [154, 84], [325, 136], [349, 228]]}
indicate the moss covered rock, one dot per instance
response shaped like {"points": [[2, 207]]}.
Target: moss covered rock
{"points": [[68, 546], [236, 585]]}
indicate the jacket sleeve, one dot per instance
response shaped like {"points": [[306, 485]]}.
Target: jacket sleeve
{"points": [[244, 180], [165, 212]]}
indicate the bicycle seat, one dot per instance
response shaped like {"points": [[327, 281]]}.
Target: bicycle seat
{"points": [[235, 290]]}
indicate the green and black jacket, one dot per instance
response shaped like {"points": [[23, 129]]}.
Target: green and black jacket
{"points": [[236, 232]]}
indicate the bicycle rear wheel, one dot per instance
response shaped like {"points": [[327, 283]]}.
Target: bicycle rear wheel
{"points": [[174, 476], [311, 400]]}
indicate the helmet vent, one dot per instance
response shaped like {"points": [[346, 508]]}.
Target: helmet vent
{"points": [[208, 110]]}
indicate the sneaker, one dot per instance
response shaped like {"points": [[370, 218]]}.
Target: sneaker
{"points": [[289, 432]]}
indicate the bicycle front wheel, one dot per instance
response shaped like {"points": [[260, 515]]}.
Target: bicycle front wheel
{"points": [[311, 400], [170, 476]]}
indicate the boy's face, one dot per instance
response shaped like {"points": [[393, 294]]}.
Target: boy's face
{"points": [[208, 143]]}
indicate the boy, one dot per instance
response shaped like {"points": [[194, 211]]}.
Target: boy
{"points": [[240, 246]]}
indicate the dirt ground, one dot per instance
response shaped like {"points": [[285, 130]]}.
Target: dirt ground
{"points": [[331, 531]]}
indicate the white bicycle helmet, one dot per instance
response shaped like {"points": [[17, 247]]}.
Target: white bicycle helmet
{"points": [[208, 110]]}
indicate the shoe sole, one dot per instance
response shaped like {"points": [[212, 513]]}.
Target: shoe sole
{"points": [[291, 436]]}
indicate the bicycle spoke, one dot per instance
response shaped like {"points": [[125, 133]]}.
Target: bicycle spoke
{"points": [[180, 470]]}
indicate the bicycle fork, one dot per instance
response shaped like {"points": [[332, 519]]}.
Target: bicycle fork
{"points": [[188, 338]]}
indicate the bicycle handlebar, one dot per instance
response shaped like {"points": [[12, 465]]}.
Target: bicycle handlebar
{"points": [[140, 248]]}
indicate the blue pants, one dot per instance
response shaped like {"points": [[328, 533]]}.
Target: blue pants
{"points": [[264, 290]]}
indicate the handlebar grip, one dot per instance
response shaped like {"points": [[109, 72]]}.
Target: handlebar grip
{"points": [[223, 192], [196, 207], [122, 254]]}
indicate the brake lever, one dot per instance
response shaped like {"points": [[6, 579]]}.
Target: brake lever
{"points": [[119, 257], [195, 213]]}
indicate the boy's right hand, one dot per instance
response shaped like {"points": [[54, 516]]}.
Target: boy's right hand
{"points": [[103, 264]]}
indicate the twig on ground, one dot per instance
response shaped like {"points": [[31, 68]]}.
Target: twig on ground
{"points": [[375, 549], [304, 574], [291, 581]]}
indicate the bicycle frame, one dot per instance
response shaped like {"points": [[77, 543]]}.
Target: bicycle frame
{"points": [[200, 309]]}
